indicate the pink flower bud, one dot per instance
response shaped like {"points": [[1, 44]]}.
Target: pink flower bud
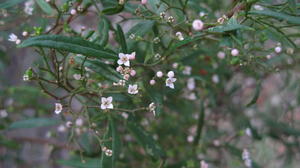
{"points": [[144, 2], [198, 25], [152, 82], [132, 72], [132, 56]]}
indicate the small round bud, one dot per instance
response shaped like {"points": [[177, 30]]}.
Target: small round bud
{"points": [[278, 49], [269, 56], [126, 76], [175, 65], [132, 72], [73, 12], [159, 74], [171, 74], [18, 41], [198, 25], [235, 52], [144, 2], [152, 82], [25, 33], [221, 55]]}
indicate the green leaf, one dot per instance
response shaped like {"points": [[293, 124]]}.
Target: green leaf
{"points": [[9, 3], [112, 141], [141, 28], [103, 29], [146, 140], [256, 94], [45, 6], [71, 44], [114, 10], [277, 15], [121, 39], [100, 68], [76, 162], [293, 5], [231, 25], [34, 122]]}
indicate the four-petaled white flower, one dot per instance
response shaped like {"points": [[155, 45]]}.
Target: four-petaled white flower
{"points": [[106, 103], [58, 108], [170, 82], [77, 76], [124, 59], [133, 89], [14, 38]]}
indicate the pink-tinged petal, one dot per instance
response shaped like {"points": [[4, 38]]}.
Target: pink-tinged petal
{"points": [[120, 62], [103, 99], [171, 85], [109, 99], [103, 107], [121, 55], [127, 63], [173, 79], [110, 106]]}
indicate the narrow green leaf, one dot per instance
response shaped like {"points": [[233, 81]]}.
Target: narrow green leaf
{"points": [[141, 28], [114, 10], [112, 142], [45, 6], [231, 25], [34, 122], [100, 68], [146, 140], [103, 29], [76, 162], [121, 39], [256, 94], [293, 5], [277, 15], [71, 44], [9, 3]]}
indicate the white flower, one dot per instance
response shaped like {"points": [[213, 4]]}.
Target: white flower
{"points": [[13, 37], [133, 89], [278, 49], [3, 113], [179, 36], [152, 108], [245, 154], [123, 59], [198, 25], [201, 14], [69, 124], [215, 78], [58, 108], [108, 152], [106, 103], [77, 76], [159, 74], [171, 74], [191, 84], [187, 70], [248, 132], [170, 82], [29, 7], [235, 52], [221, 55], [204, 164], [269, 56]]}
